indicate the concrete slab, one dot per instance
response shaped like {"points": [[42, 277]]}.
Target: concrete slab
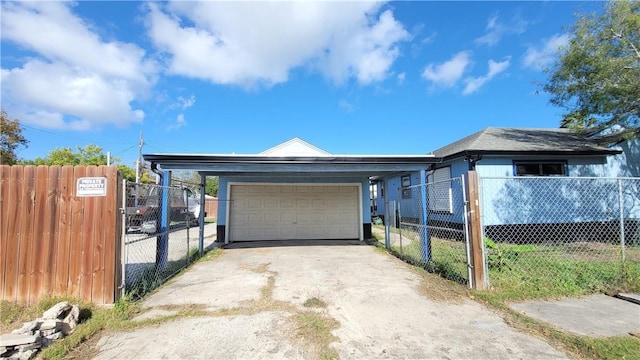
{"points": [[384, 310], [597, 315]]}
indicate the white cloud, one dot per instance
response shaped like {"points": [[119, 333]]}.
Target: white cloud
{"points": [[449, 72], [74, 98], [184, 103], [346, 106], [180, 122], [496, 30], [401, 78], [473, 84], [76, 80], [259, 43], [540, 57]]}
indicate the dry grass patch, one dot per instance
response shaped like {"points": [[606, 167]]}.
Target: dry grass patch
{"points": [[259, 269], [314, 329], [438, 289], [314, 302]]}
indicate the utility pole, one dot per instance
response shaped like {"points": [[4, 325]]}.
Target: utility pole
{"points": [[139, 161]]}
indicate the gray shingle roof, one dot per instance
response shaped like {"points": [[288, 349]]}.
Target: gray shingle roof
{"points": [[548, 141]]}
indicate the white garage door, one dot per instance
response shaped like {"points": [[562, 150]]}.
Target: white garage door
{"points": [[282, 212]]}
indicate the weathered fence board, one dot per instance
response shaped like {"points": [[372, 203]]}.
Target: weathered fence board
{"points": [[77, 218], [54, 242], [27, 219], [37, 242], [64, 230], [13, 227], [50, 229]]}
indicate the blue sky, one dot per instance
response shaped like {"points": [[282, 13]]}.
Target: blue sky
{"points": [[220, 77]]}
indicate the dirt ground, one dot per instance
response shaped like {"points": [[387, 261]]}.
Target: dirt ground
{"points": [[321, 300]]}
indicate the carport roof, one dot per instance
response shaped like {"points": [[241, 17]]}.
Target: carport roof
{"points": [[334, 165]]}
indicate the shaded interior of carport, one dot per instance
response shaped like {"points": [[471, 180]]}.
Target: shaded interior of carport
{"points": [[244, 171]]}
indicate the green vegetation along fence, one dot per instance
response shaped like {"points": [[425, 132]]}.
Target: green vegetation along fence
{"points": [[552, 236], [430, 229]]}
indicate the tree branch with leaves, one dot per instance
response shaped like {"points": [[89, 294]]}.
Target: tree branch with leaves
{"points": [[597, 76], [11, 138]]}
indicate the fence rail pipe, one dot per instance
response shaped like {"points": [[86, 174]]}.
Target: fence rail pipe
{"points": [[621, 207]]}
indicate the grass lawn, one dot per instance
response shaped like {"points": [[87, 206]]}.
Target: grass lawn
{"points": [[522, 272]]}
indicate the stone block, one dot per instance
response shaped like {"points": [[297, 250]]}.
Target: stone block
{"points": [[55, 336], [17, 339], [27, 347], [71, 320], [48, 333], [50, 324], [56, 310], [27, 328]]}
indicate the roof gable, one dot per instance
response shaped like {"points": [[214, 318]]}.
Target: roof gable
{"points": [[522, 140], [295, 147]]}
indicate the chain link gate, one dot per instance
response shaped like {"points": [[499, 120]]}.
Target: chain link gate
{"points": [[157, 242], [427, 226]]}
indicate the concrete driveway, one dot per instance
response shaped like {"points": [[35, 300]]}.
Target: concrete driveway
{"points": [[276, 302]]}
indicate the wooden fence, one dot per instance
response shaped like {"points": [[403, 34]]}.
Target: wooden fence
{"points": [[211, 207], [55, 243]]}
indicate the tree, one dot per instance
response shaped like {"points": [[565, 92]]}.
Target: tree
{"points": [[597, 76], [129, 173], [11, 139], [192, 179], [88, 155]]}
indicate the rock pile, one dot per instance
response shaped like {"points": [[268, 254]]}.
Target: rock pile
{"points": [[55, 323]]}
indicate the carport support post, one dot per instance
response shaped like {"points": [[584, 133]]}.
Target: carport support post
{"points": [[475, 231], [162, 240], [203, 182], [426, 242]]}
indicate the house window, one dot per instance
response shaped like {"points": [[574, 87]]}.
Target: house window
{"points": [[540, 168], [440, 198], [406, 182]]}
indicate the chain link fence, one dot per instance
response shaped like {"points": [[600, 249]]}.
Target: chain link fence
{"points": [[550, 236], [440, 243], [157, 243]]}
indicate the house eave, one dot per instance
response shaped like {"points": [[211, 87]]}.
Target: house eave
{"points": [[364, 165], [467, 153]]}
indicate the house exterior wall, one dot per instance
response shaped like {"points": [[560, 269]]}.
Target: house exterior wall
{"points": [[547, 200], [626, 164], [392, 192], [495, 166]]}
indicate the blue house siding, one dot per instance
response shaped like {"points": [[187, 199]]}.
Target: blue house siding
{"points": [[223, 195], [496, 192], [503, 198], [626, 164], [392, 192]]}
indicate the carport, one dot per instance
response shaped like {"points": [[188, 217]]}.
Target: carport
{"points": [[293, 191]]}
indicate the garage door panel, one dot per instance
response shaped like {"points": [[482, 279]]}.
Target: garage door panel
{"points": [[303, 203], [279, 212], [287, 203], [303, 218]]}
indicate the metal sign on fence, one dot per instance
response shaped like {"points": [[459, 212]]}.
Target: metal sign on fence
{"points": [[91, 186]]}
